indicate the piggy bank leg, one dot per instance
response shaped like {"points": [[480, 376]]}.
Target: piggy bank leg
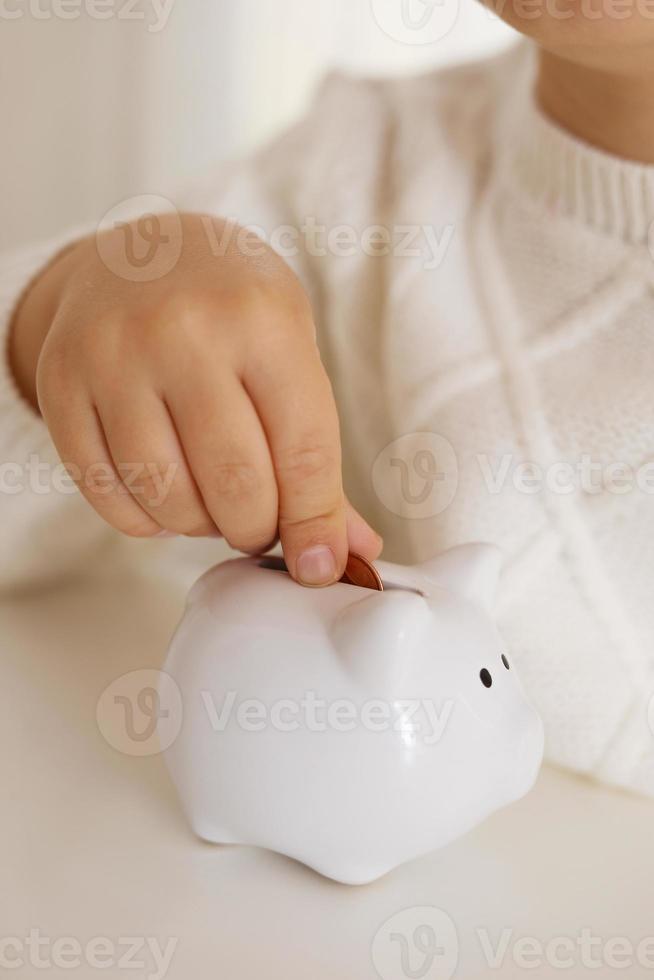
{"points": [[350, 873], [208, 831]]}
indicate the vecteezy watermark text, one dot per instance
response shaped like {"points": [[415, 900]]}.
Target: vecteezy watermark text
{"points": [[129, 953], [427, 243], [141, 712], [153, 13], [563, 477], [415, 719], [559, 10], [417, 475], [147, 481], [140, 239], [583, 950], [422, 942]]}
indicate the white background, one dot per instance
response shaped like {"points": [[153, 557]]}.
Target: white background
{"points": [[95, 110]]}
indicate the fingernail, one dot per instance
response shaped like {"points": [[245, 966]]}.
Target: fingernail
{"points": [[316, 566], [167, 534]]}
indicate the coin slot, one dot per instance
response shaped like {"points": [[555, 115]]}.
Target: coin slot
{"points": [[394, 587], [277, 564]]}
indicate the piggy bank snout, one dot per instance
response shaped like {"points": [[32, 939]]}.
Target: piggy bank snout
{"points": [[523, 738], [533, 742]]}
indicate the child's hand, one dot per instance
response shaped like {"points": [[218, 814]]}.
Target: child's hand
{"points": [[200, 394]]}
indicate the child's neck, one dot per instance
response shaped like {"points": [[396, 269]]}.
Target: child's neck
{"points": [[614, 112]]}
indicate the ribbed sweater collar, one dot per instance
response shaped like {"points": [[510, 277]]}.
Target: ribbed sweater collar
{"points": [[572, 178]]}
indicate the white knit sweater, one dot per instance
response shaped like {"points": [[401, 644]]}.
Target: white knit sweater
{"points": [[522, 333]]}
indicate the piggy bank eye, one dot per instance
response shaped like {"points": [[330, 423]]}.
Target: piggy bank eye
{"points": [[506, 662], [485, 677]]}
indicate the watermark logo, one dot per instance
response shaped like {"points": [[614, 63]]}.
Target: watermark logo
{"points": [[422, 943], [140, 239], [419, 943], [415, 21], [417, 475], [140, 713]]}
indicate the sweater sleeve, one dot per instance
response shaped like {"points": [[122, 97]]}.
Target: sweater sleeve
{"points": [[46, 527]]}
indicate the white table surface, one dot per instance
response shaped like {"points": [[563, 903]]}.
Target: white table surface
{"points": [[93, 843]]}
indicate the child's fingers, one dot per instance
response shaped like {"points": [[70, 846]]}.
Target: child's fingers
{"points": [[295, 402], [147, 453], [227, 452], [82, 446]]}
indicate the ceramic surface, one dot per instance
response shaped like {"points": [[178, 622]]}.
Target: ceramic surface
{"points": [[352, 730]]}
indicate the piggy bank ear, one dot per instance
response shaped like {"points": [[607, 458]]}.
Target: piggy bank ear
{"points": [[470, 570], [373, 634]]}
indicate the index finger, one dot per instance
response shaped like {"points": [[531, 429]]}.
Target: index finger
{"points": [[295, 403]]}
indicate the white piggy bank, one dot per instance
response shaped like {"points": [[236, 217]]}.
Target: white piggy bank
{"points": [[350, 729]]}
